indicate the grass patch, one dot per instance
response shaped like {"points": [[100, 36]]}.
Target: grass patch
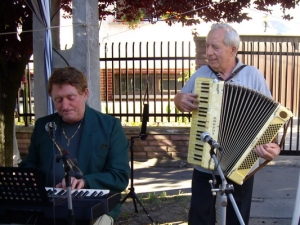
{"points": [[164, 209]]}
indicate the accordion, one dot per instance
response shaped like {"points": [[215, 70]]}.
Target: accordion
{"points": [[237, 117]]}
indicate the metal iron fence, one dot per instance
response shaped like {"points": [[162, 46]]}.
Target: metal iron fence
{"points": [[133, 74], [278, 59]]}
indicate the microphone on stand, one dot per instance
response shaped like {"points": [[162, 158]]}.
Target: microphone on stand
{"points": [[205, 137], [143, 134], [50, 128]]}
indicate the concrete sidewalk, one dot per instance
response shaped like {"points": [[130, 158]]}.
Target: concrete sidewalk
{"points": [[275, 186]]}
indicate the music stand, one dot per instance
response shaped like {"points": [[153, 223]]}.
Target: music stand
{"points": [[22, 188], [226, 190], [132, 193]]}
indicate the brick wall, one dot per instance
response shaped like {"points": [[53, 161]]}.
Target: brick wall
{"points": [[200, 45], [23, 138], [161, 142]]}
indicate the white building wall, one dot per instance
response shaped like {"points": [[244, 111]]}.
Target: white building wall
{"points": [[116, 32]]}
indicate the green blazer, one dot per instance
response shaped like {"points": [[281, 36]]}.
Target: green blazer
{"points": [[102, 156]]}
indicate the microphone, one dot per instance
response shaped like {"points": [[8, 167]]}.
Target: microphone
{"points": [[143, 134], [205, 137], [49, 127]]}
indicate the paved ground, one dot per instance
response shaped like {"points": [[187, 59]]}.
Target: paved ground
{"points": [[275, 187]]}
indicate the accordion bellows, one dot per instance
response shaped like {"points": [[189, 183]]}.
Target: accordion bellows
{"points": [[239, 118]]}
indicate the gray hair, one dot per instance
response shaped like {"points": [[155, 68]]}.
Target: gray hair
{"points": [[231, 38]]}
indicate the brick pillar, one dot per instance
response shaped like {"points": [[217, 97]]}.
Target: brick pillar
{"points": [[200, 43]]}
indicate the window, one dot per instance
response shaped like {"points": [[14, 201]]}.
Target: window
{"points": [[172, 84], [135, 85], [131, 85]]}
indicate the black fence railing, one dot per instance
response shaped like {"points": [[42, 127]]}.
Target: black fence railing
{"points": [[278, 58], [132, 74]]}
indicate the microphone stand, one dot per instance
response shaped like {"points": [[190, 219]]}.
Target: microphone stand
{"points": [[71, 216], [132, 193], [225, 190], [142, 136], [65, 156]]}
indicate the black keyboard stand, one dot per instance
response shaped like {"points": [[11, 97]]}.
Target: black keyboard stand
{"points": [[132, 193]]}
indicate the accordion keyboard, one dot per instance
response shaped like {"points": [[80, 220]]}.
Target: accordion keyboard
{"points": [[205, 119]]}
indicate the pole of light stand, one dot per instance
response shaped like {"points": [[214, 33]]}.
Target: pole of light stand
{"points": [[226, 190]]}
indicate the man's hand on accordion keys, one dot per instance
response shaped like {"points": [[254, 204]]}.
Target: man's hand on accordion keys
{"points": [[186, 102], [267, 151]]}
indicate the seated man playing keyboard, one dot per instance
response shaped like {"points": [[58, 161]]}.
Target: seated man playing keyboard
{"points": [[97, 141]]}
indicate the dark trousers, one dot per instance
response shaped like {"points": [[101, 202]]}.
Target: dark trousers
{"points": [[202, 208]]}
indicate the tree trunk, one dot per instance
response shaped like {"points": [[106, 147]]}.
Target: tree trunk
{"points": [[11, 74]]}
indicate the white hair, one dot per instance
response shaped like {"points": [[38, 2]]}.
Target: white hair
{"points": [[231, 38]]}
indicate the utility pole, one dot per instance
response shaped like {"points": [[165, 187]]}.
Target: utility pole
{"points": [[84, 54]]}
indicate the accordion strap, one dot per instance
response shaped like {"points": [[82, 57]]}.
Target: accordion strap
{"points": [[231, 76]]}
